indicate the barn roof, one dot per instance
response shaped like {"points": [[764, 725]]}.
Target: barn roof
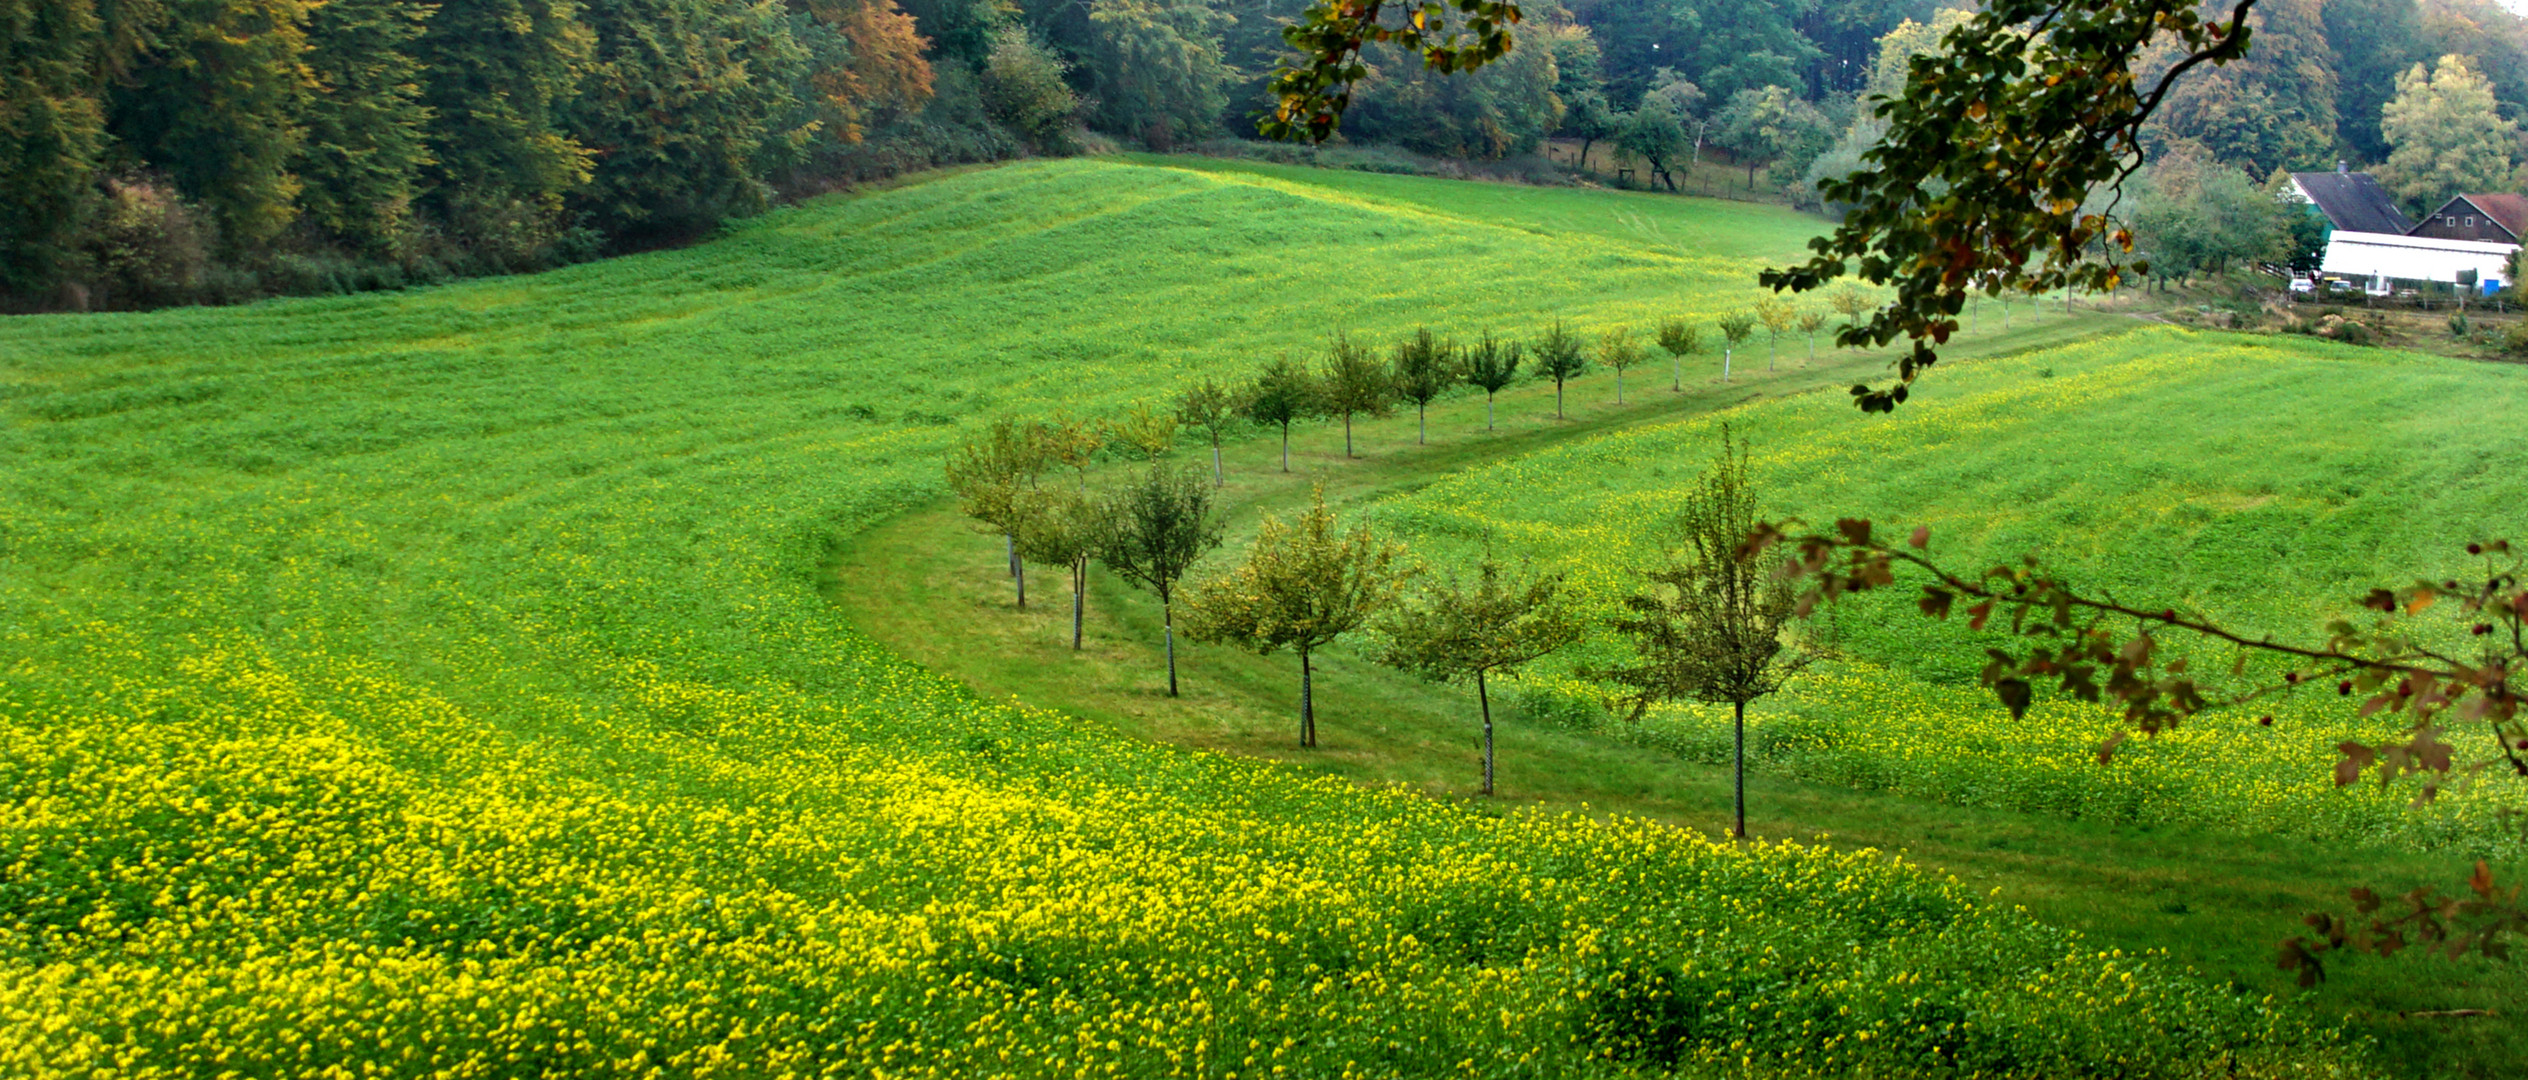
{"points": [[2511, 211], [2353, 202]]}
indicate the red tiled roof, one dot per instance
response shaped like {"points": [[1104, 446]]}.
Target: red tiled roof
{"points": [[2509, 210]]}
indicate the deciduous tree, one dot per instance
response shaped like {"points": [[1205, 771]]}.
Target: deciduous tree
{"points": [[1680, 339], [1354, 383], [1735, 328], [1618, 351], [1453, 631], [1213, 408], [1301, 587], [1065, 528], [1710, 626], [1283, 393], [991, 475], [1777, 316], [1492, 365], [1809, 323], [1560, 356], [2447, 138], [1155, 529], [1425, 367], [1144, 430]]}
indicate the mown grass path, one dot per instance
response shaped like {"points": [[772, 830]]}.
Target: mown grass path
{"points": [[932, 588]]}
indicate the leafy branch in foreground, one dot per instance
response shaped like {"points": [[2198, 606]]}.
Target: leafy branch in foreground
{"points": [[1312, 92], [2097, 649], [1995, 145]]}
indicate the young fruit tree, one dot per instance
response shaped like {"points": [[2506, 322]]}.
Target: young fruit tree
{"points": [[1560, 357], [1681, 339], [1809, 323], [1213, 408], [1777, 315], [1066, 528], [1424, 369], [1155, 529], [1284, 392], [1146, 431], [991, 475], [1301, 587], [1709, 626], [1735, 328], [1354, 383], [1618, 350], [1452, 631], [1493, 365], [1073, 443], [1849, 302]]}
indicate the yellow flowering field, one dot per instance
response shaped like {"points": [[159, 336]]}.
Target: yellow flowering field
{"points": [[2268, 482], [442, 684]]}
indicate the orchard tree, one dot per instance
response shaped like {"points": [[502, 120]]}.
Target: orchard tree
{"points": [[1213, 408], [1735, 328], [1493, 365], [1073, 442], [1777, 316], [1425, 367], [1454, 631], [1809, 323], [1155, 529], [1587, 117], [1301, 587], [1146, 431], [1849, 302], [991, 475], [1681, 339], [1066, 528], [1560, 356], [1710, 625], [1618, 351], [1284, 392], [1354, 383]]}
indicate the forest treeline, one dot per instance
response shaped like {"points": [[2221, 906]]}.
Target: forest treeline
{"points": [[172, 151]]}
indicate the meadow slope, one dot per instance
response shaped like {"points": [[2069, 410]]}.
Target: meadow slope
{"points": [[2267, 482], [438, 684]]}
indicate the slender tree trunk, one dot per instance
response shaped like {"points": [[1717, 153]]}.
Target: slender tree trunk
{"points": [[2005, 316], [1347, 435], [1021, 569], [1485, 697], [1167, 614], [1079, 598], [1773, 352], [1307, 703], [1619, 386], [1218, 478], [1422, 423], [1725, 355], [1557, 397], [1585, 144], [1738, 759], [1487, 410], [1009, 548], [1285, 447], [1751, 174], [1812, 348], [1676, 376]]}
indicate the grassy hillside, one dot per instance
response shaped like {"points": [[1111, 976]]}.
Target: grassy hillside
{"points": [[2268, 483], [439, 683]]}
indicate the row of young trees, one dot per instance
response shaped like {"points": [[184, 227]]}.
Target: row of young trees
{"points": [[1706, 625]]}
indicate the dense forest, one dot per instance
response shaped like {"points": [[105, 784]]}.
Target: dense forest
{"points": [[171, 151]]}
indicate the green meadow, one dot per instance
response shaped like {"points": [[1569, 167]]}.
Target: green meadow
{"points": [[482, 681]]}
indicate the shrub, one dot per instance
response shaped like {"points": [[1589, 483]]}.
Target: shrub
{"points": [[151, 247]]}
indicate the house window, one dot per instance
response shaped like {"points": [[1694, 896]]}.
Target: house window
{"points": [[2470, 221]]}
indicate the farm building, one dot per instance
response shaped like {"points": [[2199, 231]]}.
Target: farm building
{"points": [[2496, 219], [2380, 258], [2351, 202]]}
